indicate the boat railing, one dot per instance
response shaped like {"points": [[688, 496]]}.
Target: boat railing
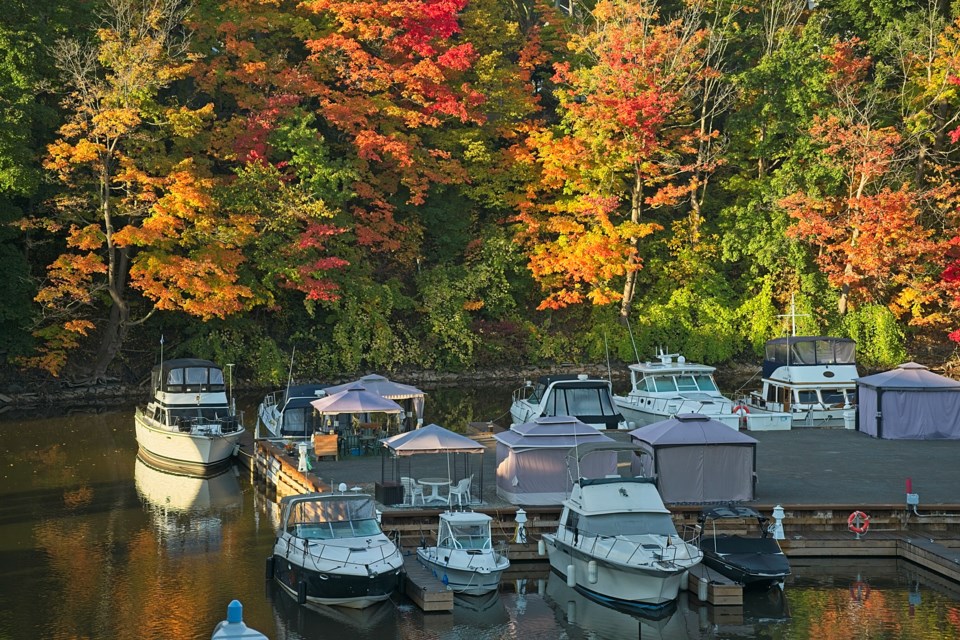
{"points": [[609, 546], [226, 424]]}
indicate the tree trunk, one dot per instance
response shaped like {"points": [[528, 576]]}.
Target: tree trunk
{"points": [[630, 283]]}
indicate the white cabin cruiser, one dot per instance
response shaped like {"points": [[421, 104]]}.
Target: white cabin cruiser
{"points": [[589, 400], [330, 550], [616, 541], [672, 386], [464, 558], [188, 426], [812, 378]]}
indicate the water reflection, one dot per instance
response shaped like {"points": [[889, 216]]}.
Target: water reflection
{"points": [[188, 511], [296, 622], [600, 621]]}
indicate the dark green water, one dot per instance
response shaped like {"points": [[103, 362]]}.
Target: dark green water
{"points": [[94, 545]]}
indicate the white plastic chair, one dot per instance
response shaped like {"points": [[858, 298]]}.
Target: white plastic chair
{"points": [[411, 491], [460, 491]]}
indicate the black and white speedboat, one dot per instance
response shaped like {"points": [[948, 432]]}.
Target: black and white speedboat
{"points": [[330, 550], [755, 561], [616, 541], [587, 399], [189, 425]]}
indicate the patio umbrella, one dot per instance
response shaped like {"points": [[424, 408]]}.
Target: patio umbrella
{"points": [[356, 399], [387, 389]]}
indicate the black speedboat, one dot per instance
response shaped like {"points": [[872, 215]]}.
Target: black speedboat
{"points": [[755, 561], [330, 550]]}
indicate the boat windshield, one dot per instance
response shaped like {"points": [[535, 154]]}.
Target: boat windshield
{"points": [[465, 536], [579, 401], [200, 413], [626, 524], [331, 519], [706, 383]]}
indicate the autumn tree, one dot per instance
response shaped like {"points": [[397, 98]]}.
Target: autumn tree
{"points": [[135, 212], [615, 156], [864, 217]]}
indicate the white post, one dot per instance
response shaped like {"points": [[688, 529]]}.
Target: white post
{"points": [[302, 453], [521, 535], [777, 528]]}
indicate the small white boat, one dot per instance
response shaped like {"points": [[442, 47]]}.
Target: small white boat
{"points": [[330, 550], [587, 399], [188, 426], [672, 386], [616, 541], [464, 558], [811, 378]]}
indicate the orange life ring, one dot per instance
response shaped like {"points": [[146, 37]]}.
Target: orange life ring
{"points": [[858, 522], [741, 407]]}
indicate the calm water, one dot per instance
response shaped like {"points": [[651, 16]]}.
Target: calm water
{"points": [[95, 545]]}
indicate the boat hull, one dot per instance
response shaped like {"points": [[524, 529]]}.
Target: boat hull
{"points": [[614, 581], [755, 563], [184, 452], [352, 590], [463, 580], [632, 412]]}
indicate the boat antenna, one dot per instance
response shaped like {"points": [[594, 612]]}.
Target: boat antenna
{"points": [[793, 315], [233, 408], [632, 341], [290, 372], [159, 377], [606, 349]]}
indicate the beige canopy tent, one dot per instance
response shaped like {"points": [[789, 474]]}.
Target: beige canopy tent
{"points": [[409, 397], [431, 440]]}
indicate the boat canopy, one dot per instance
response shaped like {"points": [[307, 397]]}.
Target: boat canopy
{"points": [[187, 375], [808, 351], [318, 508]]}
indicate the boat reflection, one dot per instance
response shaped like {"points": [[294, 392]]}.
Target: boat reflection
{"points": [[482, 611], [300, 622], [188, 511], [600, 621]]}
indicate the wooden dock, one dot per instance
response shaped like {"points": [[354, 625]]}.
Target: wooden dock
{"points": [[707, 585], [425, 589]]}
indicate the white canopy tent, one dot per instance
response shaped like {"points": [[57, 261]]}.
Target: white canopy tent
{"points": [[411, 397], [434, 439]]}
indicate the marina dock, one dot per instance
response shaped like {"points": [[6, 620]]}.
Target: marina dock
{"points": [[814, 528]]}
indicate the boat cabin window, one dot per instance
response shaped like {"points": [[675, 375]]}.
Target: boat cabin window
{"points": [[465, 536], [581, 402], [686, 383], [614, 524], [665, 383], [833, 396], [191, 379], [808, 397], [199, 413], [706, 383]]}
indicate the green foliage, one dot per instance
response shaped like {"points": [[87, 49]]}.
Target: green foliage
{"points": [[880, 341], [692, 322]]}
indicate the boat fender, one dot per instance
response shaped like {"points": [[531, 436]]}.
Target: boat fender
{"points": [[592, 572], [572, 612], [541, 548], [269, 571], [571, 576], [858, 522], [302, 592]]}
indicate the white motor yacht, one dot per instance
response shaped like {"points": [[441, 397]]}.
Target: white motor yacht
{"points": [[811, 378], [672, 386], [616, 541], [189, 425]]}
